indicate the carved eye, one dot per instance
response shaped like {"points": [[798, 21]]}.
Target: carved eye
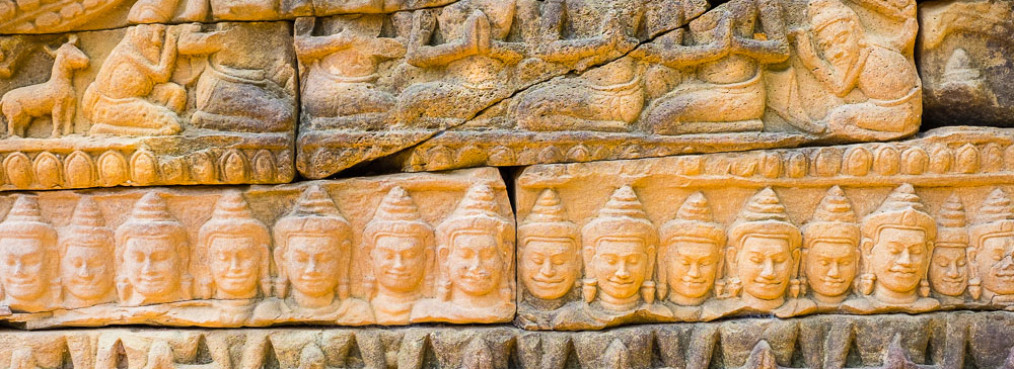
{"points": [[961, 262], [824, 262], [756, 259]]}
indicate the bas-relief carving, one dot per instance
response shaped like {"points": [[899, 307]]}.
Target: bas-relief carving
{"points": [[152, 104], [355, 252], [787, 233], [29, 17], [746, 74], [964, 61], [936, 340]]}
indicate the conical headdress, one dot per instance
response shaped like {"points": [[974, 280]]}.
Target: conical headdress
{"points": [[151, 218], [397, 214], [902, 209], [995, 218], [951, 221], [25, 221], [87, 227], [694, 220], [764, 215], [477, 212], [833, 219], [548, 219]]}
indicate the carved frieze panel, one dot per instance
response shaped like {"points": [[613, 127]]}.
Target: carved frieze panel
{"points": [[150, 105], [911, 226], [938, 340], [385, 250], [965, 62], [374, 85], [747, 74], [55, 16]]}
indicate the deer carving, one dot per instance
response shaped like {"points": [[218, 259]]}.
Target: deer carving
{"points": [[54, 97]]}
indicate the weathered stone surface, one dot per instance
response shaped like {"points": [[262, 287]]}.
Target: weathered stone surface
{"points": [[938, 340], [54, 16], [911, 226], [965, 62], [384, 250], [149, 105], [748, 74]]}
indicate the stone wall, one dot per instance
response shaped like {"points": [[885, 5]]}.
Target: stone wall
{"points": [[506, 183]]}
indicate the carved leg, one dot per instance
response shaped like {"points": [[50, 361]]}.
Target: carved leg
{"points": [[59, 106], [68, 118]]}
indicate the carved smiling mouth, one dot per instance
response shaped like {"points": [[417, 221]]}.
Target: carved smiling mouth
{"points": [[547, 280], [770, 283]]}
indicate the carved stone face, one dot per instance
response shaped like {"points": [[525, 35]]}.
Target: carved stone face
{"points": [[152, 267], [899, 258], [839, 43], [235, 264], [475, 264], [549, 267], [620, 266], [87, 272], [948, 271], [23, 268], [995, 264], [692, 266], [399, 262], [831, 266], [312, 263], [765, 266]]}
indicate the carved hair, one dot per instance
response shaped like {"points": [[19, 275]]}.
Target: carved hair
{"points": [[476, 214], [622, 217], [694, 221], [901, 210], [314, 214], [232, 218], [763, 216], [833, 220], [398, 215], [548, 221], [150, 218], [25, 221]]}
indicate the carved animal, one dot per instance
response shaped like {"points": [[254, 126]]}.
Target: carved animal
{"points": [[54, 97]]}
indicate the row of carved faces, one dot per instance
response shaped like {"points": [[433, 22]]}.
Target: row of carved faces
{"points": [[306, 254], [892, 254]]}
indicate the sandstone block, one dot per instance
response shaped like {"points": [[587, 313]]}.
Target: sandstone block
{"points": [[522, 82], [55, 16], [149, 105], [938, 340], [911, 226], [965, 62], [385, 250]]}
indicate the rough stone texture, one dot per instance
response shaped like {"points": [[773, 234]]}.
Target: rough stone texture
{"points": [[966, 63], [911, 226], [383, 250], [149, 105], [504, 83], [55, 16], [938, 340]]}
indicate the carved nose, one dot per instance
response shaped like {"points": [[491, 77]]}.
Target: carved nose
{"points": [[234, 264], [952, 270], [399, 263], [769, 269], [311, 265], [547, 269], [905, 259], [84, 271], [623, 272], [833, 272], [19, 268], [695, 270]]}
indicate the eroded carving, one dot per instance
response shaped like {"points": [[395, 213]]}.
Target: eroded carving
{"points": [[863, 229], [207, 257], [162, 95]]}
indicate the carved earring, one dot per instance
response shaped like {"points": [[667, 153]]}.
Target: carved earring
{"points": [[803, 286], [975, 288], [648, 291], [734, 286], [924, 288], [794, 287], [588, 289], [866, 283]]}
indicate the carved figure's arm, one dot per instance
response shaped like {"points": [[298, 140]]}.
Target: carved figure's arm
{"points": [[420, 54], [309, 48], [194, 42], [775, 49], [674, 54], [576, 49]]}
